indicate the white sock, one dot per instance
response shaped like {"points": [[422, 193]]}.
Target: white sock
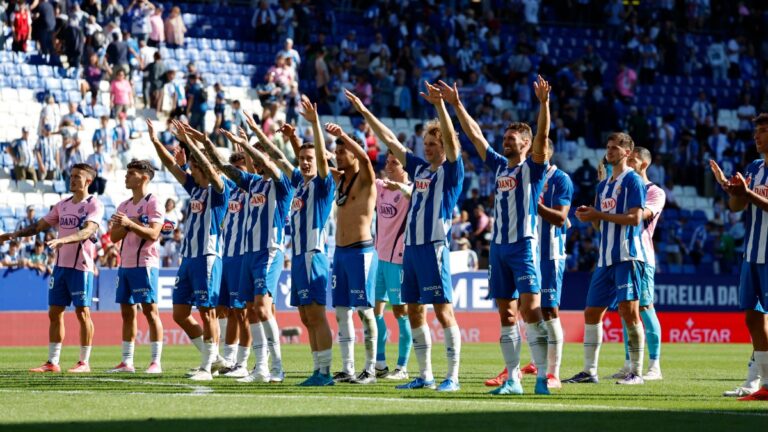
{"points": [[452, 351], [654, 364], [537, 342], [554, 346], [156, 348], [273, 343], [761, 359], [230, 351], [753, 373], [510, 349], [85, 353], [636, 341], [54, 352], [259, 348], [243, 352], [223, 332], [208, 356], [593, 338], [346, 339], [422, 345], [315, 362], [128, 353], [324, 361], [199, 343], [370, 332]]}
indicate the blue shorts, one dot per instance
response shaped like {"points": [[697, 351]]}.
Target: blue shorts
{"points": [[260, 273], [616, 283], [353, 282], [427, 274], [198, 281], [229, 294], [389, 279], [137, 285], [513, 270], [647, 285], [753, 287], [309, 279], [551, 282], [69, 286]]}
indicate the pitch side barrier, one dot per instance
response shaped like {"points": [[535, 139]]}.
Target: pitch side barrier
{"points": [[692, 309]]}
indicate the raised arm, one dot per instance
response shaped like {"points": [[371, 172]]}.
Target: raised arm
{"points": [[228, 169], [404, 188], [450, 140], [470, 127], [166, 158], [251, 152], [289, 132], [382, 132], [310, 114], [541, 88], [205, 165], [277, 156], [29, 231], [366, 166]]}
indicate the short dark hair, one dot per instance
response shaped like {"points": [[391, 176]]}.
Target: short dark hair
{"points": [[644, 153], [521, 128], [761, 120], [622, 140], [236, 157], [143, 166], [306, 146], [87, 168]]}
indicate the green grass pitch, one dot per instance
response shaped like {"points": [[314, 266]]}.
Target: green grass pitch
{"points": [[689, 397]]}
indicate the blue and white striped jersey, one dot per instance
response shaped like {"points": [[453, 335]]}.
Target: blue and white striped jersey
{"points": [[619, 243], [234, 228], [558, 191], [755, 249], [310, 208], [434, 195], [47, 149], [205, 214], [266, 209], [516, 197]]}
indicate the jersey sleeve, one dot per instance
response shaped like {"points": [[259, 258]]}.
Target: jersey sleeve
{"points": [[244, 179], [538, 170], [220, 198], [413, 162], [296, 178], [454, 172], [155, 212], [379, 185], [189, 184], [635, 193], [95, 211], [283, 184], [52, 218], [325, 186], [654, 200], [494, 160], [563, 194]]}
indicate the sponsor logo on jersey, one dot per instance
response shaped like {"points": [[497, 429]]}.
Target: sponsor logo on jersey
{"points": [[235, 206], [506, 184], [196, 206], [168, 227], [258, 200], [69, 221], [422, 185], [387, 210], [761, 190], [607, 204], [297, 204]]}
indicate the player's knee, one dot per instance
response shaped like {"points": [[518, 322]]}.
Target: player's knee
{"points": [[550, 313], [399, 311], [56, 315], [82, 314], [180, 317], [754, 320]]}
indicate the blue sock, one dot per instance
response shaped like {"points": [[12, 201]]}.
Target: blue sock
{"points": [[652, 332], [405, 341], [626, 340], [381, 342]]}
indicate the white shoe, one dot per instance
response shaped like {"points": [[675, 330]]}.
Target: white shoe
{"points": [[622, 373], [397, 375], [218, 365], [237, 372], [653, 374], [740, 391], [192, 371], [123, 368], [631, 379], [255, 377], [201, 375], [276, 376]]}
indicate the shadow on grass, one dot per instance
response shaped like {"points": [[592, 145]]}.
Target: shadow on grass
{"points": [[625, 421]]}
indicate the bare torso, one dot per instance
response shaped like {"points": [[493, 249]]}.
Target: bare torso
{"points": [[355, 216]]}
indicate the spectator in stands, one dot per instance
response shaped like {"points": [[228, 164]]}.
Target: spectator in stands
{"points": [[703, 116], [173, 99], [109, 254], [139, 13], [47, 156], [122, 133], [121, 94], [175, 30], [197, 102], [157, 28], [292, 103], [349, 47], [625, 82], [171, 252], [154, 77], [38, 259], [117, 54], [717, 60], [285, 20], [49, 115], [43, 26], [649, 61], [13, 259], [322, 78], [92, 75], [378, 47], [746, 112], [21, 25], [289, 51], [656, 172], [21, 154], [264, 22], [268, 91], [472, 260], [113, 12], [100, 162], [30, 219], [586, 179]]}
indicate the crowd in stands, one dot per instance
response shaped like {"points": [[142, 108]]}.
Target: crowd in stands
{"points": [[660, 70]]}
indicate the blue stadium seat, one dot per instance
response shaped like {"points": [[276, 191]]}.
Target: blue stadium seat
{"points": [[52, 84], [74, 96], [69, 84]]}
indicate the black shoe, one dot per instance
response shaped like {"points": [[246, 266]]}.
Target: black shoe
{"points": [[365, 377], [342, 377], [582, 378], [381, 373]]}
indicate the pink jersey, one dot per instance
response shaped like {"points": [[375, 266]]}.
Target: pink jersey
{"points": [[391, 211], [135, 251], [654, 201], [69, 218]]}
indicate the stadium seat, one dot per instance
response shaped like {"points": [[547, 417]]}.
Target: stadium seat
{"points": [[25, 186], [50, 199]]}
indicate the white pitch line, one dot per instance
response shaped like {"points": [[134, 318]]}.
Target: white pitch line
{"points": [[197, 390]]}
